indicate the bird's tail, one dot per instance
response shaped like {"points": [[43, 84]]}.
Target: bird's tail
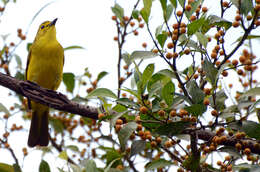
{"points": [[39, 134]]}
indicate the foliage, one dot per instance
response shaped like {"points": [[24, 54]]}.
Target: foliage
{"points": [[195, 102]]}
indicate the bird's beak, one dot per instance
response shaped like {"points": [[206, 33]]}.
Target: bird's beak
{"points": [[53, 22]]}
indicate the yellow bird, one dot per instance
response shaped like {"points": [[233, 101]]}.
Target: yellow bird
{"points": [[44, 67]]}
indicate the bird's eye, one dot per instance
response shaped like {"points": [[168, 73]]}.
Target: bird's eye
{"points": [[42, 27]]}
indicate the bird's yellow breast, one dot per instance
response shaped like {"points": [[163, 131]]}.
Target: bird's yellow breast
{"points": [[46, 64]]}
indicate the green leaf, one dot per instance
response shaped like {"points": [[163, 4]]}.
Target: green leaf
{"points": [[252, 92], [91, 166], [218, 21], [172, 129], [196, 109], [168, 93], [249, 37], [231, 151], [142, 55], [69, 81], [162, 38], [63, 155], [219, 100], [251, 128], [135, 14], [44, 167], [118, 11], [159, 163], [181, 3], [73, 47], [174, 3], [127, 102], [113, 157], [137, 147], [245, 167], [28, 46], [244, 6], [18, 60], [119, 107], [101, 75], [147, 74], [195, 26], [196, 93], [211, 71], [6, 168], [126, 58], [164, 5], [192, 163], [125, 133], [169, 10], [145, 12], [202, 39], [4, 109], [102, 92], [167, 72], [56, 124], [132, 92], [158, 30], [73, 148], [194, 6]]}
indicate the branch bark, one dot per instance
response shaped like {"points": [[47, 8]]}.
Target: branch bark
{"points": [[47, 97], [59, 101]]}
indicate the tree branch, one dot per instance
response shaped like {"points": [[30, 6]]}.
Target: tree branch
{"points": [[47, 97]]}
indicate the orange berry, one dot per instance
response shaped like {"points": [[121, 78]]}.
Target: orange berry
{"points": [[206, 101], [192, 18], [174, 37], [187, 51], [101, 115], [183, 30], [238, 18], [234, 62], [132, 24], [173, 113], [161, 113], [249, 17], [115, 38], [141, 25], [242, 59], [113, 17], [144, 45], [143, 110], [240, 72], [214, 113], [169, 55], [179, 13], [136, 32], [170, 45], [175, 26], [225, 73], [188, 7], [214, 55], [204, 9], [125, 18], [207, 91], [119, 121], [225, 4], [155, 51], [235, 24]]}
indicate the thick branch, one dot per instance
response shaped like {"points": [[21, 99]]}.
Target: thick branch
{"points": [[47, 97], [207, 135]]}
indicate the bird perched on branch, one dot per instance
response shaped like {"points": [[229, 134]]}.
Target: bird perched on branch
{"points": [[44, 67]]}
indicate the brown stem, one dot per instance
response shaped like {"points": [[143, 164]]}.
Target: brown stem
{"points": [[47, 97]]}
